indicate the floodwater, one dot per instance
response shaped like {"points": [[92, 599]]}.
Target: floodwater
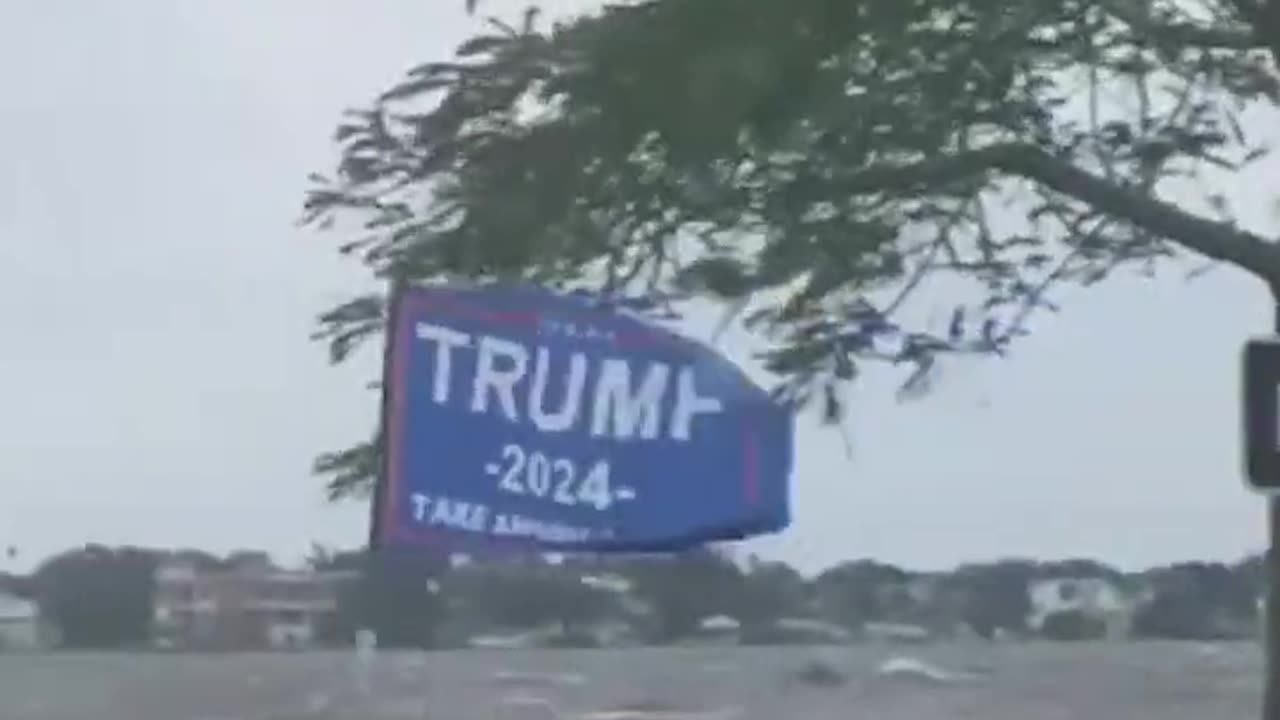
{"points": [[1026, 682]]}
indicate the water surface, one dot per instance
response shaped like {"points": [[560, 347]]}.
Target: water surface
{"points": [[1034, 682]]}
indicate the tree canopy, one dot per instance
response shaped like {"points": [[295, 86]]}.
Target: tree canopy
{"points": [[102, 598], [99, 597], [814, 164]]}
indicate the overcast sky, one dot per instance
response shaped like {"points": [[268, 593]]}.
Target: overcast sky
{"points": [[157, 385]]}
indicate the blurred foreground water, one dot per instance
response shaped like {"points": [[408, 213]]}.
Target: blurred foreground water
{"points": [[1153, 681]]}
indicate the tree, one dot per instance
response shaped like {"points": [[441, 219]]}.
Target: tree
{"points": [[772, 591], [397, 595], [354, 598], [686, 588], [995, 596], [1251, 572], [854, 593], [813, 163], [99, 597], [1199, 601], [1080, 568], [200, 559]]}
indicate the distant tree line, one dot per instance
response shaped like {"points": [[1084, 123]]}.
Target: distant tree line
{"points": [[102, 597]]}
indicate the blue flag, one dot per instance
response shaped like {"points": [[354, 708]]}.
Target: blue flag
{"points": [[520, 418]]}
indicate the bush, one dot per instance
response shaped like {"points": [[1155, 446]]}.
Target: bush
{"points": [[1073, 625]]}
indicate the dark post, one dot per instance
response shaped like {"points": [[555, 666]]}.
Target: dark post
{"points": [[1260, 405], [394, 288], [1271, 616], [376, 570], [1271, 697]]}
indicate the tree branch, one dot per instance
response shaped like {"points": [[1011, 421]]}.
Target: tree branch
{"points": [[1215, 240]]}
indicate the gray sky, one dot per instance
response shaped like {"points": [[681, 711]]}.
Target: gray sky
{"points": [[158, 386]]}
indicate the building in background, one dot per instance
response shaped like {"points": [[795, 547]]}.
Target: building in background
{"points": [[243, 603], [1091, 597], [20, 627]]}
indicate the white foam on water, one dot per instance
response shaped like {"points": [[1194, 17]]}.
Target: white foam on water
{"points": [[541, 706], [318, 702], [546, 707], [722, 713], [538, 679], [915, 669]]}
